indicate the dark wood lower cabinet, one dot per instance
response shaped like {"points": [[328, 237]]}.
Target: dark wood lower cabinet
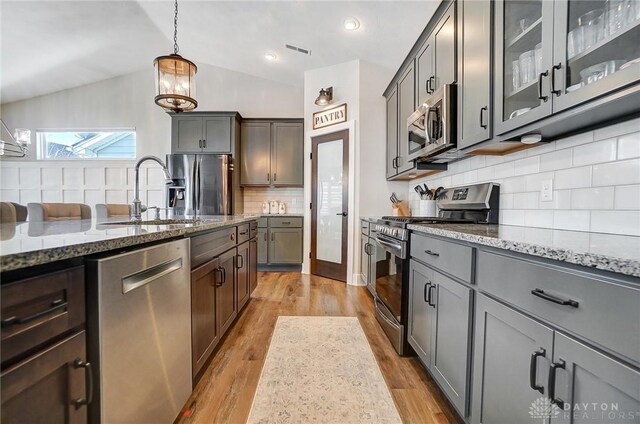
{"points": [[226, 300], [242, 275], [204, 328], [50, 386]]}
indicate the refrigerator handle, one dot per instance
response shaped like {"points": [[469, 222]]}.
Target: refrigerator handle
{"points": [[198, 182]]}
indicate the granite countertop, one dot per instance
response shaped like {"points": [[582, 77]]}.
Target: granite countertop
{"points": [[35, 243], [276, 215], [608, 252]]}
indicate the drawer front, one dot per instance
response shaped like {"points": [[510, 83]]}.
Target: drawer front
{"points": [[263, 222], [243, 233], [364, 227], [288, 222], [451, 258], [207, 246], [41, 308], [604, 312], [253, 229]]}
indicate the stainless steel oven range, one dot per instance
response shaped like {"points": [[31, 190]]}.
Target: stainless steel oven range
{"points": [[474, 204]]}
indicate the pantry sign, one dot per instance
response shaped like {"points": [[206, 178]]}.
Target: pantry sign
{"points": [[330, 117]]}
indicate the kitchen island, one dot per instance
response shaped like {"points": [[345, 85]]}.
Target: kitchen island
{"points": [[84, 300]]}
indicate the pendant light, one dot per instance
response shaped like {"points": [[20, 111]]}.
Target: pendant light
{"points": [[175, 77]]}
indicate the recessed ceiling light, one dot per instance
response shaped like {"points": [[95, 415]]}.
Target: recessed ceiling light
{"points": [[270, 56], [351, 24]]}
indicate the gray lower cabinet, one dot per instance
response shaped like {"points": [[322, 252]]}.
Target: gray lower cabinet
{"points": [[421, 313], [272, 153], [285, 245], [511, 364], [263, 246], [591, 387], [365, 259], [475, 111], [450, 363], [202, 133], [440, 329]]}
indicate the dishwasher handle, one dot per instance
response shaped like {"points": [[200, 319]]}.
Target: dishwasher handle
{"points": [[146, 276]]}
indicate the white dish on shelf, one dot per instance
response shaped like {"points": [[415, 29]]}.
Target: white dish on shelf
{"points": [[574, 87], [519, 112]]}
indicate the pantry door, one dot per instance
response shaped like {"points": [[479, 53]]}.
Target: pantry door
{"points": [[329, 204]]}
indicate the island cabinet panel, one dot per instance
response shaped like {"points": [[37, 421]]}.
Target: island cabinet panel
{"points": [[226, 292], [253, 264], [39, 309], [204, 327], [511, 364], [242, 274]]}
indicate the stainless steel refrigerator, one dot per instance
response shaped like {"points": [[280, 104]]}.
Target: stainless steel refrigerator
{"points": [[202, 184]]}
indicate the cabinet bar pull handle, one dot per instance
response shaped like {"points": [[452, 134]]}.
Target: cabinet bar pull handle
{"points": [[79, 363], [56, 305], [546, 296], [239, 261], [204, 143], [426, 292], [430, 295], [243, 233], [200, 144], [533, 370], [268, 177], [265, 236], [221, 282], [540, 96], [552, 383], [429, 252], [553, 78], [482, 110], [275, 175], [273, 236]]}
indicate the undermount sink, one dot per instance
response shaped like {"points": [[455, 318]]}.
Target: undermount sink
{"points": [[170, 221]]}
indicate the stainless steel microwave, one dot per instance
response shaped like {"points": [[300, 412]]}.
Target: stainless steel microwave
{"points": [[431, 128]]}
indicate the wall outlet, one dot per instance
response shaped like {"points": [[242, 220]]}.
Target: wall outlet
{"points": [[546, 192]]}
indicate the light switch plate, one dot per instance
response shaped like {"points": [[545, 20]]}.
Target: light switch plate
{"points": [[546, 191]]}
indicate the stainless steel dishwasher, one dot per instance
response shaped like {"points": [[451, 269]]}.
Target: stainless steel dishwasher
{"points": [[139, 318]]}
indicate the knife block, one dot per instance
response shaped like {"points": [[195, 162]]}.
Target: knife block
{"points": [[401, 209]]}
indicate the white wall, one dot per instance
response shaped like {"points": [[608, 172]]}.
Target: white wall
{"points": [[360, 85], [124, 102], [596, 181]]}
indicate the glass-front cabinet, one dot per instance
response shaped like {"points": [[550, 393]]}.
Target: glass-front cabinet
{"points": [[524, 47], [553, 55], [597, 49]]}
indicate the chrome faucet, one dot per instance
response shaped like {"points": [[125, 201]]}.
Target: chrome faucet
{"points": [[136, 206]]}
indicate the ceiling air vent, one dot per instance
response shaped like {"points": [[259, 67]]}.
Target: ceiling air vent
{"points": [[298, 49]]}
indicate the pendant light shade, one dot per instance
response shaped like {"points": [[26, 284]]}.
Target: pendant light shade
{"points": [[175, 83], [325, 97], [175, 77]]}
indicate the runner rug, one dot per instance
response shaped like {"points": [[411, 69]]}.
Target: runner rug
{"points": [[321, 370]]}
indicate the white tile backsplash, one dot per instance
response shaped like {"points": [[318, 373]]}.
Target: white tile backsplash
{"points": [[292, 197], [596, 181]]}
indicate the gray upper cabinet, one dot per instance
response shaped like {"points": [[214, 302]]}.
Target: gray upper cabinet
{"points": [[583, 376], [421, 312], [186, 134], [287, 153], [392, 133], [444, 50], [255, 157], [406, 106], [474, 72], [576, 76], [511, 364], [522, 82], [191, 133], [451, 338], [272, 153], [424, 72]]}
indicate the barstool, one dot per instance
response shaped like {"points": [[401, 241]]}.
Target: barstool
{"points": [[108, 210], [58, 211]]}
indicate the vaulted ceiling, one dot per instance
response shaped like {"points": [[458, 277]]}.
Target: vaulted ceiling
{"points": [[52, 45]]}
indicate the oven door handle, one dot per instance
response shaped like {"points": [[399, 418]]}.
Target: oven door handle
{"points": [[393, 248], [383, 316]]}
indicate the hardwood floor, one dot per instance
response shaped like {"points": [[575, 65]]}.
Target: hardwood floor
{"points": [[225, 391]]}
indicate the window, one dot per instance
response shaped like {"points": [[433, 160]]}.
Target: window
{"points": [[86, 144]]}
